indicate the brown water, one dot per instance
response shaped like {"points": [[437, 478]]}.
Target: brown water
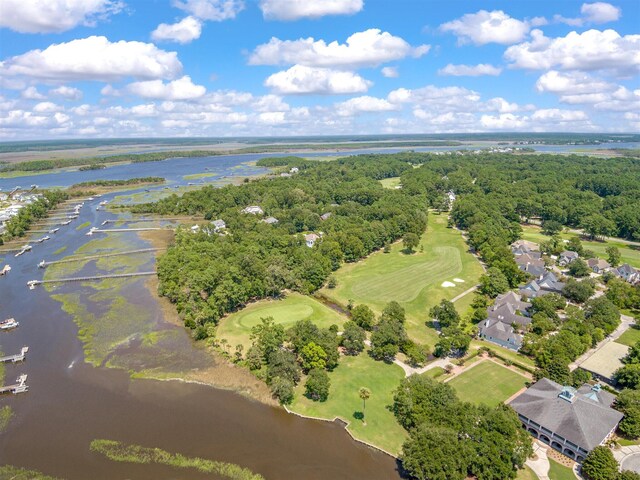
{"points": [[70, 403]]}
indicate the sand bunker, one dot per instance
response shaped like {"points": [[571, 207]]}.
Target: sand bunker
{"points": [[458, 280], [448, 284]]}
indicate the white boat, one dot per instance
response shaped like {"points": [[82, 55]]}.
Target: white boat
{"points": [[8, 324], [43, 239], [54, 230], [66, 223], [6, 269], [104, 202]]}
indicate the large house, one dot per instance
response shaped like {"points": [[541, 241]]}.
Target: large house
{"points": [[504, 319], [543, 286], [571, 421]]}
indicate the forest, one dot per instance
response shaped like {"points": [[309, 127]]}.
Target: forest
{"points": [[207, 275]]}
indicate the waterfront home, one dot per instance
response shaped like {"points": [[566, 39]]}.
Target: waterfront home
{"points": [[572, 421]]}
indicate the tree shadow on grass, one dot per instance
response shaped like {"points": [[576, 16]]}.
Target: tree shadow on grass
{"points": [[358, 416]]}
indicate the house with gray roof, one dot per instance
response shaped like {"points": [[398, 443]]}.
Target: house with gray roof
{"points": [[567, 257], [543, 286], [505, 318], [520, 247], [627, 273], [598, 265], [500, 333], [270, 220], [574, 422], [218, 225]]}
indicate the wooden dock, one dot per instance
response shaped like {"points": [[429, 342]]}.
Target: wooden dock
{"points": [[33, 283], [18, 357], [44, 264], [19, 387]]}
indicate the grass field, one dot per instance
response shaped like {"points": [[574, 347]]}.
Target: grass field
{"points": [[630, 337], [629, 254], [391, 182], [236, 328], [487, 383], [413, 280], [382, 379], [560, 472], [526, 474]]}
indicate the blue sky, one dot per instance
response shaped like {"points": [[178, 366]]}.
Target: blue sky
{"points": [[120, 68]]}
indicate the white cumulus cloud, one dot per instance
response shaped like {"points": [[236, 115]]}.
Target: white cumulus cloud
{"points": [[369, 48], [450, 98], [54, 16], [596, 13], [94, 58], [185, 31], [301, 79], [470, 70], [363, 104], [31, 93], [215, 10], [180, 89], [68, 93], [590, 50], [295, 9], [571, 83], [390, 72], [487, 27]]}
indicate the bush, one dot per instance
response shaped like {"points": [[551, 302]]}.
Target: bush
{"points": [[600, 464]]}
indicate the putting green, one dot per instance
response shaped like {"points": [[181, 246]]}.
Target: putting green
{"points": [[416, 280], [236, 328]]}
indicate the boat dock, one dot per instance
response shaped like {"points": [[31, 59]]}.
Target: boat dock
{"points": [[18, 357], [44, 264], [34, 283], [19, 387]]}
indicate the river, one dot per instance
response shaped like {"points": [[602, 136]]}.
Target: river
{"points": [[70, 402]]}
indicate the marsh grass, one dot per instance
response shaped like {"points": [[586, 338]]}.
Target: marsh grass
{"points": [[120, 452]]}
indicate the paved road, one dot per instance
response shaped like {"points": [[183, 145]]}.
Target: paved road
{"points": [[628, 457]]}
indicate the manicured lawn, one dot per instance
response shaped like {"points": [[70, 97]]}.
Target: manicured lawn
{"points": [[526, 474], [630, 337], [629, 254], [487, 383], [353, 373], [434, 372], [560, 472], [391, 182], [236, 328], [625, 442], [415, 280], [504, 352]]}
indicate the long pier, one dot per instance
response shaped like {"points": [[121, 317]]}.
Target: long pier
{"points": [[44, 264], [118, 230], [19, 387], [157, 219], [18, 357], [33, 283]]}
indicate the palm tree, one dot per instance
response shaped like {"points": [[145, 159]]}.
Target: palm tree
{"points": [[365, 394]]}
